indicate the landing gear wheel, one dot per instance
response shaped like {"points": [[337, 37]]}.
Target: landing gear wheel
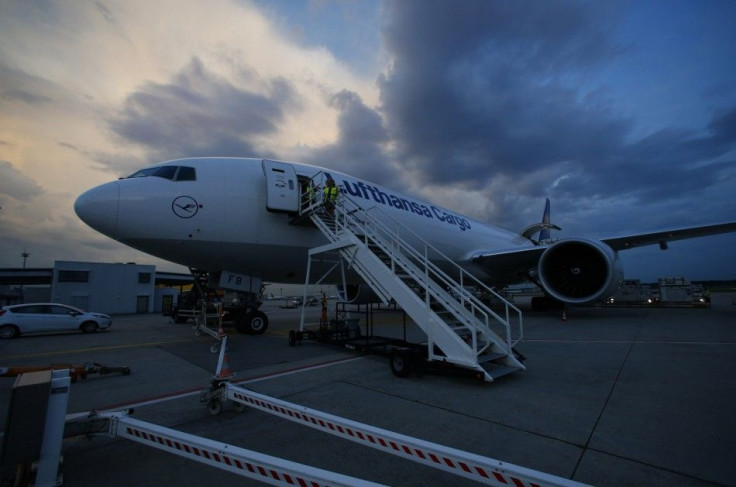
{"points": [[239, 407], [399, 364], [253, 323], [214, 407], [293, 339]]}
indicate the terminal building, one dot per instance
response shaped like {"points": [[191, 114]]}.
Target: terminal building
{"points": [[100, 287]]}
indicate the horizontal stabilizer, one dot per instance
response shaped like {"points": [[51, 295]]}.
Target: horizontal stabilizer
{"points": [[538, 227], [543, 228]]}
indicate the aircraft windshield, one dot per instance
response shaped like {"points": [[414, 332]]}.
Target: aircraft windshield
{"points": [[173, 173]]}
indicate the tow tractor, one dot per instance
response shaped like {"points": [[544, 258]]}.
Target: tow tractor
{"points": [[210, 291]]}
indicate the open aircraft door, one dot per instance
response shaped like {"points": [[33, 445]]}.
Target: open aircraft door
{"points": [[282, 187]]}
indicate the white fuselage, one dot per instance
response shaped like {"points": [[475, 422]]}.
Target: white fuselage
{"points": [[219, 220]]}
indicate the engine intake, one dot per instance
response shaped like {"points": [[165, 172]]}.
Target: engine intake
{"points": [[579, 271]]}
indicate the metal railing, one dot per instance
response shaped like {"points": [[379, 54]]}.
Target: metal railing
{"points": [[394, 241]]}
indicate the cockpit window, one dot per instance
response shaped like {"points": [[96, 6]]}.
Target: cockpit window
{"points": [[166, 172], [174, 173], [143, 172], [186, 174]]}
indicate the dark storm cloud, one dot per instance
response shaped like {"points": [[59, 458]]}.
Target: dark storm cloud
{"points": [[668, 164], [361, 146], [503, 89], [478, 90], [198, 114]]}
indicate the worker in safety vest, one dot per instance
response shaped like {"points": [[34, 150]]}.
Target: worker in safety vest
{"points": [[309, 195], [331, 194]]}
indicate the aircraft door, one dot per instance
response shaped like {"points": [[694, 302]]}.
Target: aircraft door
{"points": [[282, 187]]}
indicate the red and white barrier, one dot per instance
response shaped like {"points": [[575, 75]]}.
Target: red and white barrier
{"points": [[469, 465], [247, 463]]}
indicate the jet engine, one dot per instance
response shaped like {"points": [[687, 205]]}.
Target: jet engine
{"points": [[579, 271]]}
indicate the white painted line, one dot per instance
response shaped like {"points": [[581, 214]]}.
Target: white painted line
{"points": [[189, 393]]}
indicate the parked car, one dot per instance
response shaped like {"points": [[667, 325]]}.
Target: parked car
{"points": [[48, 317]]}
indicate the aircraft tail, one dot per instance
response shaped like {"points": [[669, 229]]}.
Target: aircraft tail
{"points": [[544, 234], [543, 228]]}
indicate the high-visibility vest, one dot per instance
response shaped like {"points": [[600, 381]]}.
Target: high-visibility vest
{"points": [[309, 194], [331, 193]]}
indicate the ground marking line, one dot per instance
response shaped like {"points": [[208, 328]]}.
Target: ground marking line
{"points": [[192, 392], [94, 349]]}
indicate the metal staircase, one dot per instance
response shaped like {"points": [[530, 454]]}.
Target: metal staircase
{"points": [[397, 264]]}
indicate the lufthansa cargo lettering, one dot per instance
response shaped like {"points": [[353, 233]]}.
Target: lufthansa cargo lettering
{"points": [[368, 192]]}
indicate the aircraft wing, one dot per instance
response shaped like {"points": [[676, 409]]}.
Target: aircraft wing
{"points": [[507, 266], [662, 237], [513, 264]]}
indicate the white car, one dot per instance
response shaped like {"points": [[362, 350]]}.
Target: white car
{"points": [[48, 317]]}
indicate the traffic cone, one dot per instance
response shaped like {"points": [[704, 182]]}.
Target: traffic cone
{"points": [[225, 371]]}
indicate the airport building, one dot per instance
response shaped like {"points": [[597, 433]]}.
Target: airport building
{"points": [[101, 287]]}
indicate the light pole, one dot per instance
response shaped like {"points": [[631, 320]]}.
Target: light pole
{"points": [[25, 255]]}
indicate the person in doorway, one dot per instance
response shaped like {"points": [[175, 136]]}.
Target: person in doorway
{"points": [[309, 194], [331, 194]]}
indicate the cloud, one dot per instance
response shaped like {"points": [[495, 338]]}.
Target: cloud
{"points": [[503, 92], [485, 107], [361, 148], [199, 114], [485, 89], [17, 185]]}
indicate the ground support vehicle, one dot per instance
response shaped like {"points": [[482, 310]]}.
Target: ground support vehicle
{"points": [[201, 304]]}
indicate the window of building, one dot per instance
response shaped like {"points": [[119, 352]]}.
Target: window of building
{"points": [[144, 278], [73, 276]]}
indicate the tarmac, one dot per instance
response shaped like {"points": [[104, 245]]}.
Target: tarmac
{"points": [[610, 397]]}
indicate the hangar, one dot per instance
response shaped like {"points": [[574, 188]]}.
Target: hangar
{"points": [[103, 287]]}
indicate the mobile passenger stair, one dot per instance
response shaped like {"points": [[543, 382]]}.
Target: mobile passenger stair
{"points": [[399, 266]]}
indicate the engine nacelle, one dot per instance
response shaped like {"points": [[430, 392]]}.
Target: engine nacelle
{"points": [[578, 271], [357, 294]]}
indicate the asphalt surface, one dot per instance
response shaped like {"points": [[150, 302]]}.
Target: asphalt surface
{"points": [[610, 397]]}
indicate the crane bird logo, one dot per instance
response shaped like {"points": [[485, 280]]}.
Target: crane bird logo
{"points": [[185, 206]]}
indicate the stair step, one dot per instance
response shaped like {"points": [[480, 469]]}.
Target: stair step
{"points": [[490, 357], [408, 272], [496, 371]]}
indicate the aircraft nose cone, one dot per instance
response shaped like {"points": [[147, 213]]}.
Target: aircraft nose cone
{"points": [[98, 208]]}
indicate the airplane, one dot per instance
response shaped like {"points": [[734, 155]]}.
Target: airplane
{"points": [[237, 219]]}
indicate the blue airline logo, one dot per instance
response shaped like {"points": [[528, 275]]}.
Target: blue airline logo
{"points": [[366, 191]]}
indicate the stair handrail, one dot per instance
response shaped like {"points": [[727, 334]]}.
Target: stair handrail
{"points": [[312, 199], [478, 309]]}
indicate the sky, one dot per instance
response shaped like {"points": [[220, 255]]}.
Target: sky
{"points": [[622, 113]]}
